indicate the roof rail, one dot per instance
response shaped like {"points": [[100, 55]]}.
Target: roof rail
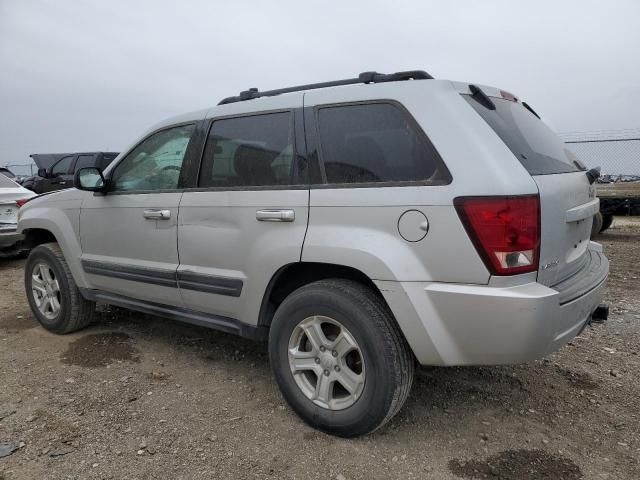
{"points": [[364, 77]]}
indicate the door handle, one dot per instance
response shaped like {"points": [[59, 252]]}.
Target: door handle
{"points": [[157, 214], [276, 215]]}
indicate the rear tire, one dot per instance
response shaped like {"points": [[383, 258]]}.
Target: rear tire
{"points": [[607, 220], [597, 225], [379, 376], [53, 295]]}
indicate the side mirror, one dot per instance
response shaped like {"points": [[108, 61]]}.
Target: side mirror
{"points": [[42, 172], [90, 179]]}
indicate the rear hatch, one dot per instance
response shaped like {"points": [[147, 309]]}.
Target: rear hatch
{"points": [[567, 200]]}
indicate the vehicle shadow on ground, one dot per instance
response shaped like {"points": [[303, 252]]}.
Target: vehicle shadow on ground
{"points": [[448, 395], [448, 391], [213, 345]]}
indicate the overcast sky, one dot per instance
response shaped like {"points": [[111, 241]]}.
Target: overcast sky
{"points": [[93, 75]]}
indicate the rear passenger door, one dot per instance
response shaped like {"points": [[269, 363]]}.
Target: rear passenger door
{"points": [[246, 218]]}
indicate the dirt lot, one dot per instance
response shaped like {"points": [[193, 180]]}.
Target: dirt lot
{"points": [[135, 396]]}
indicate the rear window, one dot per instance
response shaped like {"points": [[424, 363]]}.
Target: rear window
{"points": [[376, 143], [535, 145], [6, 182]]}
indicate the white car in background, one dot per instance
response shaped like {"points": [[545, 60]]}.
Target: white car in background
{"points": [[12, 197]]}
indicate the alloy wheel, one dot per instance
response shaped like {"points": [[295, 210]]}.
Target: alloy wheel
{"points": [[326, 362]]}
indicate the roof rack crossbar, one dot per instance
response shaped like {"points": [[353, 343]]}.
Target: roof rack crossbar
{"points": [[364, 77]]}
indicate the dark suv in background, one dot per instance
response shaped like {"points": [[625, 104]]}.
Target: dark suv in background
{"points": [[56, 170]]}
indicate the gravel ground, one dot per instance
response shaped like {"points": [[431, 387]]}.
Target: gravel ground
{"points": [[135, 396]]}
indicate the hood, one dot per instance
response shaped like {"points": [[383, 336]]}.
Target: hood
{"points": [[45, 160]]}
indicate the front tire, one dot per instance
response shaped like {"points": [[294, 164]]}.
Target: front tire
{"points": [[339, 357], [607, 220], [596, 226], [53, 295]]}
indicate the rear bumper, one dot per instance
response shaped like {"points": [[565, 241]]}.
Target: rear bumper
{"points": [[485, 325], [9, 236]]}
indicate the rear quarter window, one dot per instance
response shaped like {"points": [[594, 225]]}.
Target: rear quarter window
{"points": [[376, 143], [536, 146]]}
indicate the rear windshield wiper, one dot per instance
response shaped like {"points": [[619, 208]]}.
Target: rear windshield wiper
{"points": [[479, 96], [526, 105], [593, 174]]}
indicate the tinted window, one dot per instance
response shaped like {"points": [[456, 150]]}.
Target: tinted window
{"points": [[106, 159], [62, 167], [156, 163], [539, 150], [249, 151], [375, 143], [7, 173], [6, 182], [84, 161]]}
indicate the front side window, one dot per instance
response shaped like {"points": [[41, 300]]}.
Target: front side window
{"points": [[376, 143], [62, 167], [252, 151], [155, 164]]}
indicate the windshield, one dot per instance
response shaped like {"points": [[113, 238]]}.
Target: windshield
{"points": [[535, 145]]}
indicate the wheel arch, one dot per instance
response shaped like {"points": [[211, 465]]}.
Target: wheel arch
{"points": [[54, 225], [295, 275], [37, 236]]}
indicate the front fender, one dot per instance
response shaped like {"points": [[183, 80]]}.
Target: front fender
{"points": [[62, 219]]}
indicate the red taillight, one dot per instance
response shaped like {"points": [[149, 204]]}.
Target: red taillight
{"points": [[504, 230], [21, 201]]}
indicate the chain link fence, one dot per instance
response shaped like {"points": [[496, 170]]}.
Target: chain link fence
{"points": [[617, 152], [22, 169]]}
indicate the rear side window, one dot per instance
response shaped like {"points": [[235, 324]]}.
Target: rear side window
{"points": [[376, 143], [535, 145], [84, 161], [106, 159], [252, 151]]}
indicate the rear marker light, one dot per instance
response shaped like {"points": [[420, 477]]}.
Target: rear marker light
{"points": [[21, 201], [504, 230]]}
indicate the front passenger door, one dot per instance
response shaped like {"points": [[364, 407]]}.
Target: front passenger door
{"points": [[60, 177], [129, 235]]}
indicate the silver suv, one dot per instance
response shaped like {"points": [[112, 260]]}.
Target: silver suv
{"points": [[360, 226]]}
